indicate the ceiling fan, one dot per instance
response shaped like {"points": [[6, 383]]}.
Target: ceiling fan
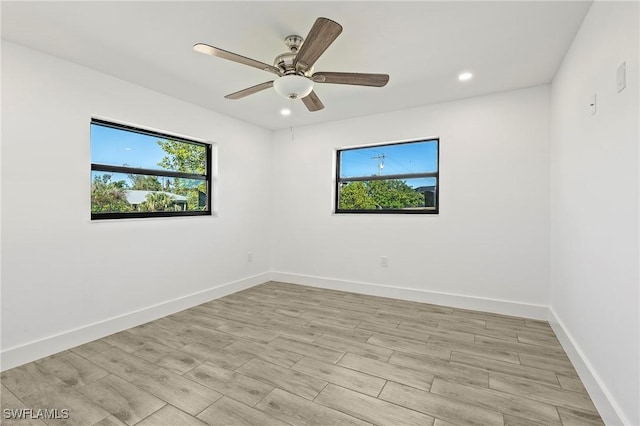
{"points": [[294, 69]]}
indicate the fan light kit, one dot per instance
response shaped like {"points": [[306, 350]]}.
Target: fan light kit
{"points": [[294, 68], [293, 86]]}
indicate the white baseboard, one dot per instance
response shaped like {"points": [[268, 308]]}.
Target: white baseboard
{"points": [[504, 307], [603, 400], [18, 355]]}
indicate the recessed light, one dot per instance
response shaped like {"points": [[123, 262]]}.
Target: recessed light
{"points": [[465, 76], [285, 111]]}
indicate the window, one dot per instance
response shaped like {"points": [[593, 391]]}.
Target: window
{"points": [[393, 178], [139, 173]]}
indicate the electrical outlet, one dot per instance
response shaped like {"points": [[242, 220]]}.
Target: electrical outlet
{"points": [[249, 257], [384, 262]]}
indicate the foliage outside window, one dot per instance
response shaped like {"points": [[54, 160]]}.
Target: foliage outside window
{"points": [[139, 173], [393, 178]]}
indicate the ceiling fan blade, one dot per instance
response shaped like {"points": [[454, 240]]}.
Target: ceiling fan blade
{"points": [[250, 90], [312, 102], [321, 35], [356, 79], [214, 51]]}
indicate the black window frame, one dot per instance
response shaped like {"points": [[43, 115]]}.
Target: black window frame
{"points": [[155, 172], [341, 180]]}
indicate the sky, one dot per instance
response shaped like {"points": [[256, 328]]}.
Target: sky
{"points": [[120, 147], [404, 158]]}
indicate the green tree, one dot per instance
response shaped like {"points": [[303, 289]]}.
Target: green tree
{"points": [[145, 183], [379, 194], [354, 196], [157, 202], [107, 196], [188, 158], [183, 157], [394, 194]]}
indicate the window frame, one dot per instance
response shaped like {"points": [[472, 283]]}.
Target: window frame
{"points": [[436, 175], [207, 177]]}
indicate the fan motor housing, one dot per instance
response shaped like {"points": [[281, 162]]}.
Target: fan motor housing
{"points": [[284, 61]]}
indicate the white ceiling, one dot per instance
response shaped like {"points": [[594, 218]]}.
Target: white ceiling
{"points": [[422, 45]]}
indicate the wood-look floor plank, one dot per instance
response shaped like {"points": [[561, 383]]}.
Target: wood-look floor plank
{"points": [[439, 406], [230, 383], [510, 420], [307, 349], [82, 410], [537, 324], [126, 341], [486, 364], [449, 335], [521, 348], [92, 348], [110, 421], [290, 380], [473, 349], [74, 370], [227, 411], [442, 369], [573, 417], [505, 320], [342, 332], [169, 415], [264, 352], [502, 334], [359, 348], [331, 319], [410, 346], [296, 410], [499, 401], [178, 362], [494, 325], [390, 330], [571, 383], [8, 401], [384, 370], [436, 317], [537, 338], [152, 352], [287, 329], [123, 400], [369, 409], [28, 378], [223, 358], [248, 331], [192, 316], [183, 393], [558, 363], [152, 331], [123, 364], [341, 376], [541, 392]]}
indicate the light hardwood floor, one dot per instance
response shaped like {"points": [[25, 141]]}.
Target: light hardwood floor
{"points": [[282, 354]]}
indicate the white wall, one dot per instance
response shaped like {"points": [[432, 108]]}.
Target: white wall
{"points": [[491, 238], [595, 270], [62, 272]]}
